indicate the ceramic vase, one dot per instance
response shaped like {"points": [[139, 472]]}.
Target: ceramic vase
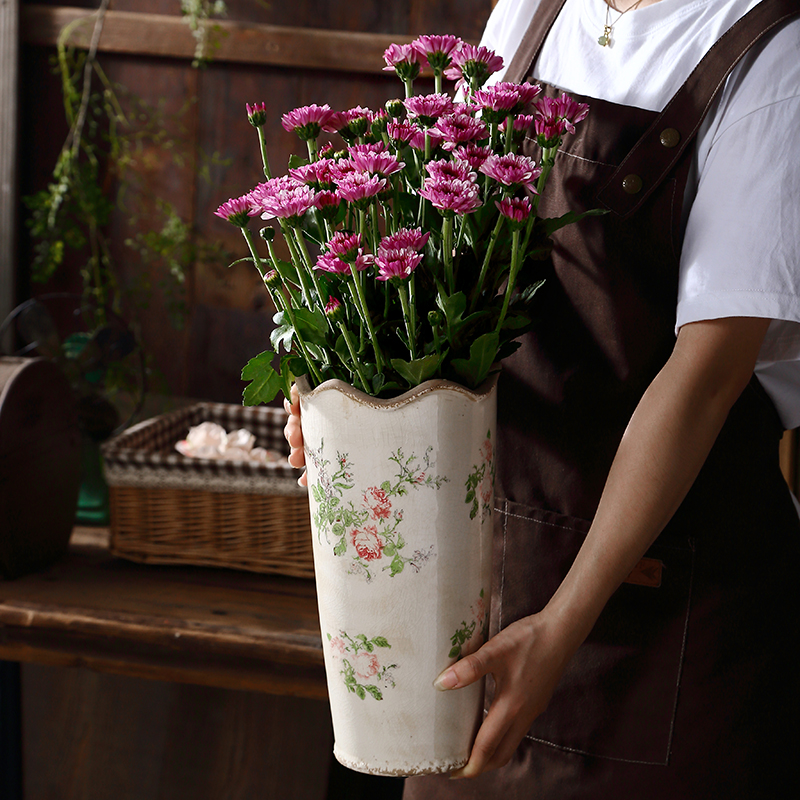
{"points": [[401, 495]]}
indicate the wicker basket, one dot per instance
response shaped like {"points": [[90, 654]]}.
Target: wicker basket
{"points": [[170, 509]]}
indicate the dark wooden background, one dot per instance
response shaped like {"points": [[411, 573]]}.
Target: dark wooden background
{"points": [[105, 737], [228, 319]]}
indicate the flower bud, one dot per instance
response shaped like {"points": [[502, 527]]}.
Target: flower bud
{"points": [[333, 309], [395, 109], [257, 114], [267, 234], [434, 318], [273, 279]]}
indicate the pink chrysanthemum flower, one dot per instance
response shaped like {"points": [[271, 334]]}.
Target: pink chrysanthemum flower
{"points": [[257, 114], [397, 264], [345, 245], [512, 170], [283, 198], [456, 129], [318, 174], [404, 60], [327, 262], [401, 133], [522, 123], [237, 211], [327, 203], [307, 121], [506, 98], [428, 108], [349, 124], [556, 116], [343, 167], [517, 209], [473, 65], [472, 154], [367, 147], [437, 50], [358, 187], [442, 169], [404, 238], [377, 163], [451, 196]]}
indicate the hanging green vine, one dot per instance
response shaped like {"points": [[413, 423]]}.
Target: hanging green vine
{"points": [[96, 170]]}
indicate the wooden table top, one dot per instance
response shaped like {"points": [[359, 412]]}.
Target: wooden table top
{"points": [[184, 624]]}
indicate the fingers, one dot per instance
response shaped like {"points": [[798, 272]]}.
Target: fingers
{"points": [[464, 672], [294, 434]]}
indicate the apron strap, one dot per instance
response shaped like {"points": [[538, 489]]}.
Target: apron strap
{"points": [[662, 146]]}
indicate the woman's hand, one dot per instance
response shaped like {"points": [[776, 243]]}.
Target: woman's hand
{"points": [[294, 434], [527, 660]]}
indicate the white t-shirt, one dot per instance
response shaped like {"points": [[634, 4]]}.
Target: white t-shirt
{"points": [[741, 252]]}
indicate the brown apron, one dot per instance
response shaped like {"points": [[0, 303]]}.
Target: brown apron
{"points": [[687, 687]]}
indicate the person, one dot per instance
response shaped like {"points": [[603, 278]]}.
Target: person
{"points": [[644, 599]]}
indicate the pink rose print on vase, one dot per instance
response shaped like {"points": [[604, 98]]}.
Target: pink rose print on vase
{"points": [[471, 635], [367, 543], [363, 671], [369, 521], [366, 665], [337, 646], [378, 503]]}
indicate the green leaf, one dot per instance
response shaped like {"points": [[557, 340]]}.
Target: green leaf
{"points": [[453, 307], [375, 692], [359, 689], [389, 550], [296, 161], [455, 652], [340, 548], [265, 382], [417, 371], [553, 224], [397, 566], [311, 325], [482, 354], [380, 641], [529, 291], [317, 493]]}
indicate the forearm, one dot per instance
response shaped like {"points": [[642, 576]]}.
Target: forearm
{"points": [[666, 444]]}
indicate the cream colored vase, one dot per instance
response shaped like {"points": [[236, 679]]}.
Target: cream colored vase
{"points": [[401, 504]]}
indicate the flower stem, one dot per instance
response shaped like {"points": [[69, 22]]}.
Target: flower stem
{"points": [[264, 157], [301, 244], [354, 356], [485, 266], [412, 345], [365, 316], [512, 278], [297, 260], [447, 252], [251, 245]]}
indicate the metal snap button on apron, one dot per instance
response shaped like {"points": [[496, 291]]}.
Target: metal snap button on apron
{"points": [[632, 184], [669, 137]]}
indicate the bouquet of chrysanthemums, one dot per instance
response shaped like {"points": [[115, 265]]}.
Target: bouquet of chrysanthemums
{"points": [[412, 231]]}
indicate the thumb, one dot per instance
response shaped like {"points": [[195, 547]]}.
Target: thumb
{"points": [[464, 672]]}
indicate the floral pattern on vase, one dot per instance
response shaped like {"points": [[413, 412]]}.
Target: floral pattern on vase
{"points": [[368, 527], [480, 482], [361, 668], [464, 641]]}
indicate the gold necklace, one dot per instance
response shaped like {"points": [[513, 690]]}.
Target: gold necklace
{"points": [[605, 39]]}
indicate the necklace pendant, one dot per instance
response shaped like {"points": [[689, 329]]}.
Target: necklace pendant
{"points": [[605, 39]]}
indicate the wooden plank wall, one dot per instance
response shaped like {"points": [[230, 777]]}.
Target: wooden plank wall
{"points": [[285, 54]]}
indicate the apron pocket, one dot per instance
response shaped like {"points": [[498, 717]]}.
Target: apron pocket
{"points": [[618, 697]]}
